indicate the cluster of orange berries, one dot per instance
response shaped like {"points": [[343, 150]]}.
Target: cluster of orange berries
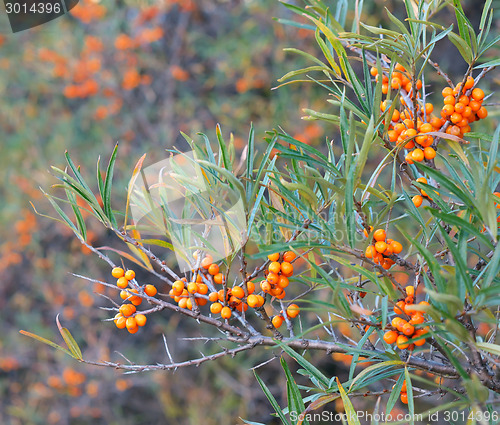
{"points": [[459, 112], [235, 300], [405, 329], [464, 110], [403, 395], [382, 248], [418, 199], [278, 273], [128, 317]]}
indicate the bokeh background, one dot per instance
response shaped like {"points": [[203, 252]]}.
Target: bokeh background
{"points": [[136, 73]]}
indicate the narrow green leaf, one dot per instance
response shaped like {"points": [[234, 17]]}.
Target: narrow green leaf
{"points": [[70, 341], [48, 342], [107, 187], [272, 400], [352, 417]]}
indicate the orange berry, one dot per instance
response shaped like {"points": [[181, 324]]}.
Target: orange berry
{"points": [[453, 130], [396, 247], [214, 296], [207, 261], [250, 287], [395, 83], [265, 286], [225, 313], [366, 232], [273, 278], [422, 180], [129, 274], [477, 94], [410, 290], [117, 272], [385, 88], [482, 112], [380, 246], [429, 153], [283, 282], [395, 115], [216, 308], [459, 107], [379, 235], [177, 286], [370, 250], [277, 321], [448, 109], [219, 278], [122, 282], [253, 301], [449, 100], [121, 322], [390, 337], [408, 158], [399, 307], [136, 300], [404, 398], [417, 318], [373, 71], [140, 319], [419, 333], [388, 250], [274, 267], [475, 105], [447, 91], [426, 128], [133, 330], [151, 290], [289, 256], [417, 155], [124, 295], [192, 287], [274, 257], [238, 291], [293, 310], [456, 118], [397, 322], [417, 200], [131, 323], [401, 342], [436, 122], [408, 329], [286, 268], [213, 269], [469, 83]]}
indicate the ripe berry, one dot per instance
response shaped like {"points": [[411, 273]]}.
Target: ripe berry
{"points": [[447, 91], [192, 287], [140, 319], [477, 94], [122, 282], [286, 269], [151, 290], [207, 261], [117, 272], [283, 282], [277, 321], [216, 308], [370, 250], [213, 269], [410, 291], [396, 247], [253, 301], [408, 329], [417, 200], [380, 246], [274, 257], [250, 287], [293, 310], [469, 83], [225, 313], [214, 296], [273, 278], [131, 323], [404, 398], [289, 256], [397, 322], [417, 318], [379, 235], [238, 291], [482, 112], [429, 153], [366, 232], [417, 155], [219, 278], [129, 274], [401, 342], [202, 289], [390, 337], [275, 267], [120, 321], [399, 307]]}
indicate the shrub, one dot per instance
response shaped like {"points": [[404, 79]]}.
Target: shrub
{"points": [[381, 245]]}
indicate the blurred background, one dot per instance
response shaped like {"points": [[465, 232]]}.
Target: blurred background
{"points": [[136, 73]]}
